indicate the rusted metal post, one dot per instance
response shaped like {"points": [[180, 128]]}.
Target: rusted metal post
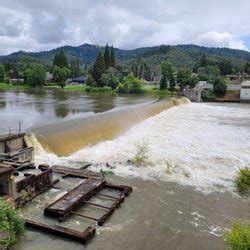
{"points": [[19, 127]]}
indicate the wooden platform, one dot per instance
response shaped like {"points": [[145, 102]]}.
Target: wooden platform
{"points": [[73, 199], [62, 231]]}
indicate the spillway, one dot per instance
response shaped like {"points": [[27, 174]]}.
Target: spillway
{"points": [[68, 137]]}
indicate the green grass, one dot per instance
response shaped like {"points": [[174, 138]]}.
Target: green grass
{"points": [[243, 181], [148, 90], [7, 86], [239, 237]]}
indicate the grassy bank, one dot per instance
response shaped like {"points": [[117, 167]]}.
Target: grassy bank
{"points": [[7, 86], [146, 90]]}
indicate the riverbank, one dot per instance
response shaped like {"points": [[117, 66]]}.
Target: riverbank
{"points": [[146, 90]]}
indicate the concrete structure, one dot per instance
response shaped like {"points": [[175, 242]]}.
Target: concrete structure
{"points": [[193, 94], [6, 181], [245, 91]]}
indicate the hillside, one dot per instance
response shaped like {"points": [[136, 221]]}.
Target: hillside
{"points": [[179, 55]]}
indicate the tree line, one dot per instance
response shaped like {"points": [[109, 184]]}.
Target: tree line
{"points": [[105, 72]]}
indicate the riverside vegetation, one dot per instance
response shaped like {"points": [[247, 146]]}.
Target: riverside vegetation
{"points": [[243, 181], [106, 75], [239, 237], [11, 225]]}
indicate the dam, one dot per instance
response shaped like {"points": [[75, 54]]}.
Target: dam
{"points": [[68, 137]]}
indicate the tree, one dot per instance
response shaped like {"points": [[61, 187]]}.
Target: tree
{"points": [[167, 70], [2, 73], [183, 76], [74, 67], [193, 80], [60, 75], [220, 87], [203, 61], [98, 69], [27, 75], [146, 72], [163, 82], [226, 67], [107, 57], [112, 57], [60, 59], [37, 75], [90, 81], [247, 68], [110, 78], [208, 73]]}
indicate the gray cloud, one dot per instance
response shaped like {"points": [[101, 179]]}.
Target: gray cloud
{"points": [[38, 25]]}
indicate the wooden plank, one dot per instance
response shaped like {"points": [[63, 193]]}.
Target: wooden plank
{"points": [[83, 173], [73, 199], [62, 231]]}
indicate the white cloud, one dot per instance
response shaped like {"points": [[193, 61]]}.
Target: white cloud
{"points": [[38, 25], [216, 39]]}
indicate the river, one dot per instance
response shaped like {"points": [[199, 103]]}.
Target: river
{"points": [[184, 198]]}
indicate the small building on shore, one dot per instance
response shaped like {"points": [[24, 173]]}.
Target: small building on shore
{"points": [[78, 80], [193, 94], [245, 91]]}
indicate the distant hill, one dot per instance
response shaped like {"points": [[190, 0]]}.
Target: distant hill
{"points": [[179, 55]]}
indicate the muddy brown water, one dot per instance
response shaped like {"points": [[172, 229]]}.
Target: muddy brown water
{"points": [[158, 215]]}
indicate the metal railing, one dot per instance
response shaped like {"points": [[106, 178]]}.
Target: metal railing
{"points": [[11, 130]]}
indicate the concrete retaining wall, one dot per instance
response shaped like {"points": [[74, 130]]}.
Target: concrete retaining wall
{"points": [[31, 186]]}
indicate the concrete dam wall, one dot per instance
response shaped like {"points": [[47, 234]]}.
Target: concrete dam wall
{"points": [[68, 137]]}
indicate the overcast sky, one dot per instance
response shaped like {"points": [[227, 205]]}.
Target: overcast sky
{"points": [[34, 25]]}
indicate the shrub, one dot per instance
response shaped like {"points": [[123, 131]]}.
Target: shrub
{"points": [[141, 156], [130, 84], [7, 80], [208, 95], [122, 88], [106, 172], [243, 181], [239, 237], [11, 225], [220, 87]]}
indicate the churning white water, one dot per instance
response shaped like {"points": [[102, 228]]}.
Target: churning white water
{"points": [[197, 144]]}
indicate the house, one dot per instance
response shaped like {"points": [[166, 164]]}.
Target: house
{"points": [[16, 81], [204, 85], [155, 79], [49, 76], [245, 91], [78, 80]]}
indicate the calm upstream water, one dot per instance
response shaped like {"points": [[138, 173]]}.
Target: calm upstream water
{"points": [[39, 107], [184, 198]]}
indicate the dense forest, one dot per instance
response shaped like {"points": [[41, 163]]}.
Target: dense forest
{"points": [[179, 56]]}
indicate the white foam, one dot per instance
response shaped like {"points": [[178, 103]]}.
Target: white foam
{"points": [[203, 145]]}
